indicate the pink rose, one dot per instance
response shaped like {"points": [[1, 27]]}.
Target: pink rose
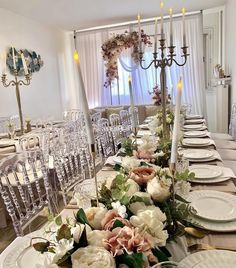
{"points": [[142, 175], [110, 218], [128, 240], [142, 154]]}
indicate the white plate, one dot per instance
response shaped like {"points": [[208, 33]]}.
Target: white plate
{"points": [[193, 116], [210, 259], [206, 171], [196, 134], [213, 205], [209, 181], [194, 121], [196, 142], [193, 126], [196, 154], [6, 143]]}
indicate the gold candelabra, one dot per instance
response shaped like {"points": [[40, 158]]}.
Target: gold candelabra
{"points": [[17, 83]]}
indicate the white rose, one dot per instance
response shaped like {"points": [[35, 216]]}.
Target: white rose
{"points": [[136, 206], [130, 162], [148, 220], [96, 237], [133, 187], [78, 230], [92, 257], [95, 216], [182, 188], [148, 144], [62, 248], [158, 191]]}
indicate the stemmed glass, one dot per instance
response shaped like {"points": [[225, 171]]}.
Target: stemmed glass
{"points": [[11, 130]]}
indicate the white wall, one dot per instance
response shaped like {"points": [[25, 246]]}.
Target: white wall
{"points": [[231, 45], [42, 98]]}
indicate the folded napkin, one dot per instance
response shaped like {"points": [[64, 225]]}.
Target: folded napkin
{"points": [[112, 160], [226, 186], [143, 132], [144, 126], [214, 239]]}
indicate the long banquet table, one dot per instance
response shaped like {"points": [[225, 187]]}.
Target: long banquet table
{"points": [[180, 248]]}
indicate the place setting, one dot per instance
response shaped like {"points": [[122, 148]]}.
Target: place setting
{"points": [[197, 142], [195, 127], [200, 155], [196, 134]]}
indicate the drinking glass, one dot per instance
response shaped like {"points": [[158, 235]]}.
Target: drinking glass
{"points": [[11, 130]]}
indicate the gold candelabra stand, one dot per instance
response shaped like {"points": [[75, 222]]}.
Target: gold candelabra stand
{"points": [[17, 83], [162, 62]]}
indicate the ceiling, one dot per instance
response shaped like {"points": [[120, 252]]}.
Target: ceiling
{"points": [[80, 14]]}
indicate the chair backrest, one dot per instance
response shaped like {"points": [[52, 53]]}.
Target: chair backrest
{"points": [[136, 116], [25, 188], [103, 122], [72, 115], [95, 117], [116, 130], [126, 123], [4, 121], [232, 125]]}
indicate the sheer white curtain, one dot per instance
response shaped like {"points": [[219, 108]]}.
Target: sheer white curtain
{"points": [[93, 70], [92, 66]]}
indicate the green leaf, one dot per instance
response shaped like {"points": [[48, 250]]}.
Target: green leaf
{"points": [[144, 200], [161, 256], [165, 251], [81, 217], [117, 167], [132, 261], [64, 232], [41, 246], [116, 224], [58, 220]]}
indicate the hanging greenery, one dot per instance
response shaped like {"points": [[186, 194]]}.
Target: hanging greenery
{"points": [[113, 47], [32, 59]]}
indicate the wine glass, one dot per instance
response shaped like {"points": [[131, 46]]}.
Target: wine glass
{"points": [[11, 130]]}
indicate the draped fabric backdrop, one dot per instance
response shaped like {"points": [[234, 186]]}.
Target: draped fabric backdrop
{"points": [[93, 69]]}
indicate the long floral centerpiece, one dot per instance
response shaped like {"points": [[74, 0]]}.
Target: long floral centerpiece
{"points": [[138, 214]]}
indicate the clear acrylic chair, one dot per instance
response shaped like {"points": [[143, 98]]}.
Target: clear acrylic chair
{"points": [[25, 188], [105, 138], [126, 123], [136, 116], [116, 130], [95, 117]]}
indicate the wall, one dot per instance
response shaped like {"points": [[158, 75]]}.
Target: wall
{"points": [[42, 99], [231, 45]]}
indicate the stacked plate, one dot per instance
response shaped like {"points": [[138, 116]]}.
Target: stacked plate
{"points": [[213, 210], [194, 127], [193, 116], [196, 142], [195, 134], [208, 174], [198, 155], [6, 143], [194, 121]]}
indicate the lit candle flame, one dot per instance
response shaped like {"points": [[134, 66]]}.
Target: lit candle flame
{"points": [[183, 10], [129, 78], [180, 84], [171, 11], [162, 4], [76, 55], [139, 17]]}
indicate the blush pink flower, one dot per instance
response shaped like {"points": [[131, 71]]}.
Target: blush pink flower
{"points": [[110, 217], [143, 154], [128, 240], [142, 175]]}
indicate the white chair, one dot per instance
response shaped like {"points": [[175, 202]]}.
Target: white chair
{"points": [[95, 117]]}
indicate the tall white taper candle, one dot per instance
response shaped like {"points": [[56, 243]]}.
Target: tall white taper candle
{"points": [[174, 145]]}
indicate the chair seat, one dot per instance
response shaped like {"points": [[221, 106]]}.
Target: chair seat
{"points": [[221, 136], [230, 164], [225, 144], [227, 154]]}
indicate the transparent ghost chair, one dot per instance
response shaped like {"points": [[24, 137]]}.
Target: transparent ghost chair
{"points": [[126, 123], [116, 130], [95, 117], [136, 116], [25, 188], [105, 138]]}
